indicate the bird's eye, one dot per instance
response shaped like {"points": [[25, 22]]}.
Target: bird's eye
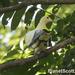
{"points": [[47, 17]]}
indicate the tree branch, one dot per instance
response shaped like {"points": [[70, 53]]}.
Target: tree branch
{"points": [[34, 2], [36, 57]]}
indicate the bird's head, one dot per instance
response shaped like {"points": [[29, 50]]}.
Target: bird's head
{"points": [[43, 22], [46, 19]]}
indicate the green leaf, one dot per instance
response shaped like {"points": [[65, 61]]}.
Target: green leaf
{"points": [[6, 15], [39, 16], [67, 61], [11, 53], [29, 15], [56, 8], [16, 19]]}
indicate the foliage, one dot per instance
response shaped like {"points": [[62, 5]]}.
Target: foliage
{"points": [[13, 28]]}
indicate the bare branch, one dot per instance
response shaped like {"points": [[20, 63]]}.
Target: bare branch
{"points": [[34, 2], [36, 57]]}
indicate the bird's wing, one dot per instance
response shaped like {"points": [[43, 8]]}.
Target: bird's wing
{"points": [[36, 36]]}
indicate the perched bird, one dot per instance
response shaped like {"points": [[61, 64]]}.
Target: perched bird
{"points": [[38, 39]]}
